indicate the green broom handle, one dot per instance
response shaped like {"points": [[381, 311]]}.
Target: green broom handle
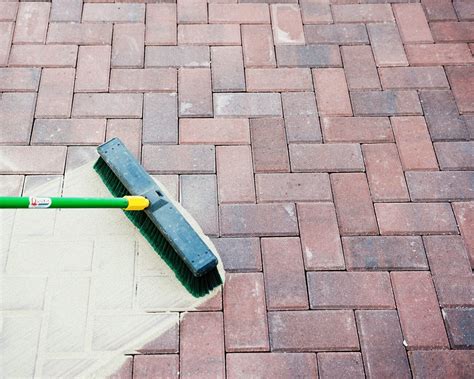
{"points": [[70, 202]]}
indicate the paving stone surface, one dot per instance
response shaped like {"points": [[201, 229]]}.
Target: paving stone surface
{"points": [[326, 146]]}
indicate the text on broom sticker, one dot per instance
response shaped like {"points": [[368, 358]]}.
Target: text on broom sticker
{"points": [[39, 202]]}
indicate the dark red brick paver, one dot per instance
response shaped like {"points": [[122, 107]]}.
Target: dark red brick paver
{"points": [[340, 365], [381, 337], [418, 308], [325, 146]]}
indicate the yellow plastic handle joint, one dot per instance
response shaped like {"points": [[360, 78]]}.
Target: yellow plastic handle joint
{"points": [[136, 203]]}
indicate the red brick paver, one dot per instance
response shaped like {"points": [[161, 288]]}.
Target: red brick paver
{"points": [[381, 336], [324, 145]]}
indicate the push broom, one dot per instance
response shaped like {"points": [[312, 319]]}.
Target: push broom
{"points": [[163, 225]]}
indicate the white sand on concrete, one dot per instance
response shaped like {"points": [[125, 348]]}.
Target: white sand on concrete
{"points": [[80, 288]]}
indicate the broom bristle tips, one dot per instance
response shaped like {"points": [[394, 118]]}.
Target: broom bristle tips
{"points": [[197, 286]]}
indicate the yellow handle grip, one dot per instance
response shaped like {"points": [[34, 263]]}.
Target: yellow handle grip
{"points": [[136, 203]]}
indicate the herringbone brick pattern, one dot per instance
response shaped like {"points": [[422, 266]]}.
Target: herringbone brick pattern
{"points": [[325, 146]]}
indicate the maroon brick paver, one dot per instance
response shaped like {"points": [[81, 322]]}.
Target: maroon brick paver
{"points": [[143, 80], [41, 55], [301, 117], [419, 312], [381, 337], [465, 218], [454, 290], [129, 130], [440, 186], [198, 194], [340, 365], [160, 118], [308, 56], [287, 24], [438, 54], [439, 10], [331, 92], [414, 143], [253, 105], [183, 159], [447, 255], [271, 365], [269, 148], [281, 187], [324, 146], [80, 34], [355, 212], [285, 283], [441, 363], [384, 253], [119, 13], [55, 93], [313, 331], [245, 315], [413, 78], [460, 323], [8, 11], [6, 35], [93, 69], [195, 92], [315, 12], [442, 116], [357, 129], [177, 56], [384, 172], [235, 174], [240, 254], [353, 290], [462, 83], [208, 328], [455, 155], [320, 236], [326, 157], [160, 24], [239, 14], [16, 117], [227, 69], [258, 220], [385, 103], [386, 45], [359, 67], [146, 366], [192, 12], [362, 13], [278, 79], [68, 131], [231, 131], [19, 79], [415, 218], [338, 34], [412, 23], [464, 9], [110, 105], [128, 46], [66, 10], [31, 23], [257, 46], [212, 34], [453, 31]]}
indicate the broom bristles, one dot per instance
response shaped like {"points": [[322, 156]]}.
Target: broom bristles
{"points": [[197, 286]]}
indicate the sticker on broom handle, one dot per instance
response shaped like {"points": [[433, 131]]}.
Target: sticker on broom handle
{"points": [[39, 202]]}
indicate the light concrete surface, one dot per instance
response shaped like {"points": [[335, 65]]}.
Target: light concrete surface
{"points": [[80, 288]]}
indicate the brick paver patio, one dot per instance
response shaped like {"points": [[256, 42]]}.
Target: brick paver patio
{"points": [[325, 147]]}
